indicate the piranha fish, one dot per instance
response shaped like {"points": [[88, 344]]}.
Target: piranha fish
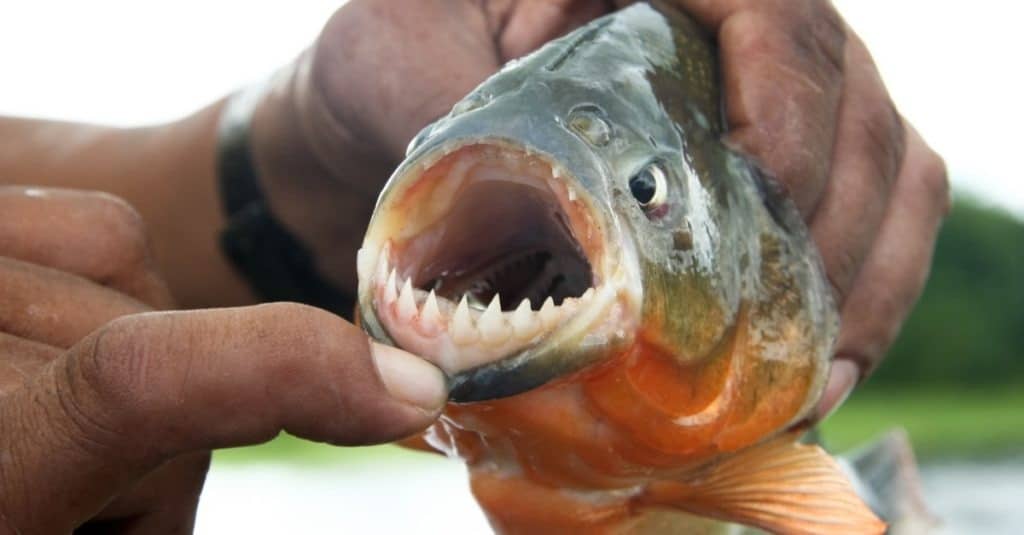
{"points": [[632, 317]]}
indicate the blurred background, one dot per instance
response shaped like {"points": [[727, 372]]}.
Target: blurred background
{"points": [[954, 380]]}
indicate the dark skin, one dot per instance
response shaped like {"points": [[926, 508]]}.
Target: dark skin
{"points": [[109, 409]]}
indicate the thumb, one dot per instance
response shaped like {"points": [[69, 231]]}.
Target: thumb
{"points": [[150, 387]]}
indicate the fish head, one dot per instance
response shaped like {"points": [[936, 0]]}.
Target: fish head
{"points": [[558, 213]]}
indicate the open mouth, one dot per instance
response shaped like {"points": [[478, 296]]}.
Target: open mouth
{"points": [[484, 254]]}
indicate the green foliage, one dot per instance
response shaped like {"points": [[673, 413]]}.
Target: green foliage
{"points": [[968, 327], [288, 449], [942, 422]]}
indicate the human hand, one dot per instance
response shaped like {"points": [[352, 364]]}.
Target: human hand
{"points": [[108, 409], [802, 95]]}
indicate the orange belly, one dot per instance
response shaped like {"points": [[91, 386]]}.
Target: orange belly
{"points": [[587, 446]]}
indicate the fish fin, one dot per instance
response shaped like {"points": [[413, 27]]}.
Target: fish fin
{"points": [[885, 474], [781, 486]]}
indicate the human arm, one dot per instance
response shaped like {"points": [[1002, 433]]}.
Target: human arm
{"points": [[166, 171]]}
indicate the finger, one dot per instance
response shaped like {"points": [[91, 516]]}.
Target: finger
{"points": [[55, 307], [842, 378], [865, 162], [531, 23], [94, 235], [897, 267], [21, 359], [782, 75], [164, 501], [155, 386]]}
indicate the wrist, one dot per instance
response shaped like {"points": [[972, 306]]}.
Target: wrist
{"points": [[318, 181]]}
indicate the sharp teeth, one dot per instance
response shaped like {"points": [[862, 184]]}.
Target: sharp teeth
{"points": [[463, 331], [549, 314], [366, 260], [492, 326], [524, 322], [383, 262], [585, 299], [390, 289], [407, 301], [430, 314]]}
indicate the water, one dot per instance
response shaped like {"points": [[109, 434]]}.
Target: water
{"points": [[975, 498], [432, 497]]}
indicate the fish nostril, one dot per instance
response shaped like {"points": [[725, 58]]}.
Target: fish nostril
{"points": [[588, 122]]}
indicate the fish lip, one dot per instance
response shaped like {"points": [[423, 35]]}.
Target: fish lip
{"points": [[501, 376]]}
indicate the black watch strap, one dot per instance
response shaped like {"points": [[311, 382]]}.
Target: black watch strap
{"points": [[275, 263]]}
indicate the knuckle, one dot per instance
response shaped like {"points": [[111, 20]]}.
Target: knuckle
{"points": [[139, 383], [115, 365], [934, 179], [884, 139], [94, 420], [124, 232]]}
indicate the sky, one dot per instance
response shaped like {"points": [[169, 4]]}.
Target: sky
{"points": [[952, 67]]}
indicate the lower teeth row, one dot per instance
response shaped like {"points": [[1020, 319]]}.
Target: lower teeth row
{"points": [[466, 324]]}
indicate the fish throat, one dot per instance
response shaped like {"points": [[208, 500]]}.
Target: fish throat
{"points": [[505, 239]]}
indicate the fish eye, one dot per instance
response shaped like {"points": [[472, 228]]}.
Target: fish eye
{"points": [[649, 187]]}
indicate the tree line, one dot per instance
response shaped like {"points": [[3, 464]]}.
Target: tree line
{"points": [[968, 327]]}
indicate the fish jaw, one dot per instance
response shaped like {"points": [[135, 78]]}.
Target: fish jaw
{"points": [[441, 290]]}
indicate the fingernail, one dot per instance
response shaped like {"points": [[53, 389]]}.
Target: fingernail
{"points": [[409, 378], [841, 380]]}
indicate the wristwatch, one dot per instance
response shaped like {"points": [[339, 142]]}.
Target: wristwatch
{"points": [[275, 263]]}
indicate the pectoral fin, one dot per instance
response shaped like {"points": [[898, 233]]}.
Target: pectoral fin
{"points": [[780, 486]]}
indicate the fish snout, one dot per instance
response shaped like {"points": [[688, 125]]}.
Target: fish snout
{"points": [[494, 262]]}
